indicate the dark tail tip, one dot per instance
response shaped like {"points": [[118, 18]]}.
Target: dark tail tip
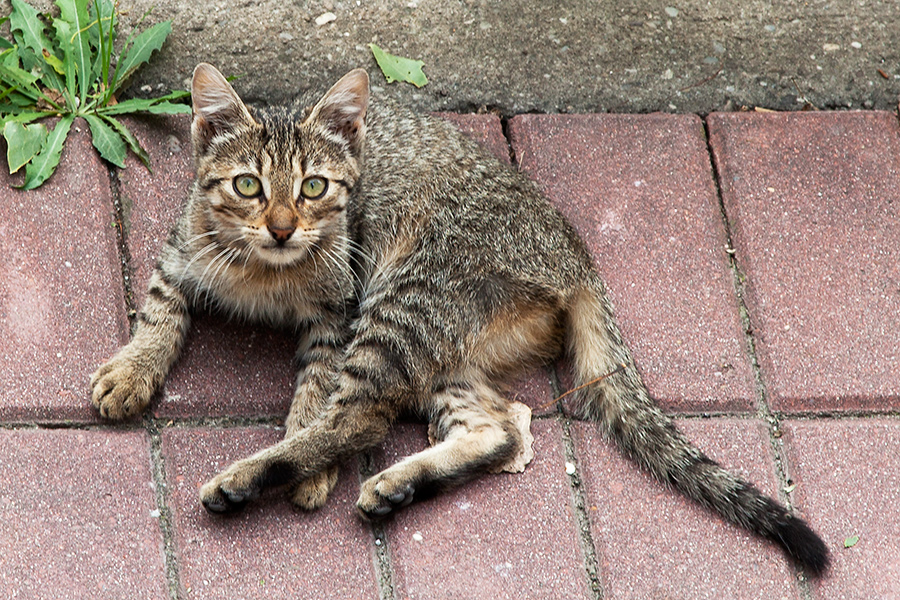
{"points": [[802, 544]]}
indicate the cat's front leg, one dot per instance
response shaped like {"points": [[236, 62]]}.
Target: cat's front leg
{"points": [[320, 356], [349, 426], [124, 386]]}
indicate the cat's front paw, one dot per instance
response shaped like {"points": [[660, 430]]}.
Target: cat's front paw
{"points": [[311, 494], [232, 489], [122, 388], [383, 494]]}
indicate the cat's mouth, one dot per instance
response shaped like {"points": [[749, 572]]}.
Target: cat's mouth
{"points": [[281, 255]]}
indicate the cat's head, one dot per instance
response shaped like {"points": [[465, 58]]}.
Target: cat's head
{"points": [[276, 184]]}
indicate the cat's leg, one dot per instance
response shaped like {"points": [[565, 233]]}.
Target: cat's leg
{"points": [[320, 357], [369, 394], [476, 432], [341, 432], [124, 385]]}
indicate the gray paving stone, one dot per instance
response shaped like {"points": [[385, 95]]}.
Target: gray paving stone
{"points": [[848, 484], [62, 307], [654, 543], [269, 550], [506, 536], [812, 200], [78, 516], [639, 189]]}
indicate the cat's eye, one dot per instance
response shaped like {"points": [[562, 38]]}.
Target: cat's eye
{"points": [[313, 188], [247, 186]]}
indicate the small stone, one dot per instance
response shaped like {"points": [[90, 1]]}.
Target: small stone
{"points": [[856, 45], [285, 37], [770, 28], [417, 536], [570, 468], [831, 47], [325, 18], [671, 11], [668, 74]]}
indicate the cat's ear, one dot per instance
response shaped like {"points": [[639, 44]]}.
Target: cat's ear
{"points": [[217, 107], [342, 110]]}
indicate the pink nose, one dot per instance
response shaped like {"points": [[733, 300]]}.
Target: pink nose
{"points": [[281, 234]]}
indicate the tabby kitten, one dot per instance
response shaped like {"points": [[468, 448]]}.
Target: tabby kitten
{"points": [[422, 272]]}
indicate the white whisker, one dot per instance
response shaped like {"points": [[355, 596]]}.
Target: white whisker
{"points": [[205, 250], [195, 238], [200, 285]]}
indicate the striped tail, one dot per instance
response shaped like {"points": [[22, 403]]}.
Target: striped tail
{"points": [[647, 435]]}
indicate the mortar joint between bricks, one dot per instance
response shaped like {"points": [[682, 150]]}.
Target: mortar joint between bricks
{"points": [[381, 550], [764, 412], [166, 524], [582, 521], [121, 227]]}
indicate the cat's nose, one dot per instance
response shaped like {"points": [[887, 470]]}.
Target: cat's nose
{"points": [[281, 234]]}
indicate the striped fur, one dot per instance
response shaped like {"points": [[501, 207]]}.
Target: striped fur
{"points": [[426, 275]]}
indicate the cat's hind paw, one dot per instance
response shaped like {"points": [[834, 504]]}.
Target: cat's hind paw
{"points": [[311, 494], [121, 389]]}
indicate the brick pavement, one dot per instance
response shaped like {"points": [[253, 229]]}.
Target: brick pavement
{"points": [[753, 260]]}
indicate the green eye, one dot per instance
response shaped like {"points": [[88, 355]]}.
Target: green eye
{"points": [[247, 186], [313, 187]]}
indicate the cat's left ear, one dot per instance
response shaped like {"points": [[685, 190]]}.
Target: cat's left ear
{"points": [[342, 110]]}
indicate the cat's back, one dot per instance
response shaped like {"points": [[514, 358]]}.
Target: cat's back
{"points": [[423, 176]]}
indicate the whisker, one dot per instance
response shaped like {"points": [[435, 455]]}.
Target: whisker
{"points": [[200, 285], [205, 250], [197, 237], [224, 264]]}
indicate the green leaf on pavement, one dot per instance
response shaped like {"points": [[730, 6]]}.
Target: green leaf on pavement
{"points": [[151, 105], [130, 139], [22, 142], [396, 68], [75, 12], [107, 141], [45, 162], [851, 541], [25, 20], [141, 48]]}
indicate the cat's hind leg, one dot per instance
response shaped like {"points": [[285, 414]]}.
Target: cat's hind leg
{"points": [[474, 431]]}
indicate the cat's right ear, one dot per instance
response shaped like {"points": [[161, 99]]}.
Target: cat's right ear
{"points": [[217, 107]]}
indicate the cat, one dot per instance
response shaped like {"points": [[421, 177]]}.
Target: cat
{"points": [[422, 272]]}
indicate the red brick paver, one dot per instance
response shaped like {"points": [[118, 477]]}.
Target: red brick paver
{"points": [[62, 307], [78, 516], [640, 191], [848, 484], [654, 543], [269, 550], [815, 214], [505, 536], [78, 507], [226, 368]]}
